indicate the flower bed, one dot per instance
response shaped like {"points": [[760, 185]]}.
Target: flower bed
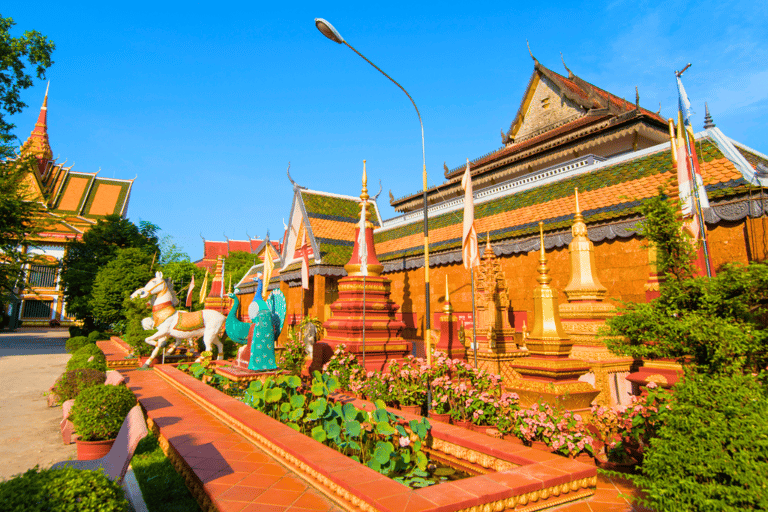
{"points": [[516, 475]]}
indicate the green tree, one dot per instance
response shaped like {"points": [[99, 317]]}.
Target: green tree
{"points": [[718, 324], [237, 264], [170, 252], [97, 248], [116, 281], [15, 53]]}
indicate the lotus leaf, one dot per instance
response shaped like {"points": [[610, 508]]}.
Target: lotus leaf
{"points": [[332, 429], [318, 434], [274, 395], [298, 401], [353, 428], [385, 429], [293, 381], [383, 451]]}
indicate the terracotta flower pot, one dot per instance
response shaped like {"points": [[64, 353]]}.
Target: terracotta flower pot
{"points": [[478, 428], [445, 418], [462, 423], [411, 409], [90, 450]]}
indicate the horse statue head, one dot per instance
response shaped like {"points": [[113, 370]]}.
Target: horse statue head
{"points": [[155, 286]]}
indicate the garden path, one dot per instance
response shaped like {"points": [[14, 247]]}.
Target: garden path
{"points": [[30, 362], [236, 475]]}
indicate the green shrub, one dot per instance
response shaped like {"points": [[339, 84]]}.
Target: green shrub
{"points": [[75, 331], [71, 383], [99, 411], [95, 336], [65, 490], [712, 451], [77, 342], [88, 356]]}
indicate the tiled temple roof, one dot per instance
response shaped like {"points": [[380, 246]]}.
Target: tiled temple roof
{"points": [[330, 221], [608, 193]]}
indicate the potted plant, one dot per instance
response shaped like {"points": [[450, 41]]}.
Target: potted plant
{"points": [[408, 384], [441, 392], [98, 414]]}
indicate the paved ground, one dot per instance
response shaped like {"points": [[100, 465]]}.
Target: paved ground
{"points": [[30, 362]]}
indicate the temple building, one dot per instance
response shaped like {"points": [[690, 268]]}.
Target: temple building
{"points": [[212, 249], [567, 134], [73, 201]]}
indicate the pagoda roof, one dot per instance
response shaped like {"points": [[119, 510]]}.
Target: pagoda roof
{"points": [[610, 193], [594, 112], [329, 221]]}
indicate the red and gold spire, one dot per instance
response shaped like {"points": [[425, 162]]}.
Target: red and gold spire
{"points": [[38, 144]]}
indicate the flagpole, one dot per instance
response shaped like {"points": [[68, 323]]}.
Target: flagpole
{"points": [[474, 322], [693, 175]]}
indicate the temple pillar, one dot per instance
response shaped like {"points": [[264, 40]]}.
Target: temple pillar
{"points": [[585, 313], [318, 302], [549, 374]]}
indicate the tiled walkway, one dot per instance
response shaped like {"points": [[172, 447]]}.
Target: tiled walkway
{"points": [[238, 476]]}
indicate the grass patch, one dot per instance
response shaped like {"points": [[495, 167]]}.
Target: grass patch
{"points": [[162, 487]]}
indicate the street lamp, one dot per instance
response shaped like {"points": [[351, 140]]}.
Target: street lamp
{"points": [[331, 33]]}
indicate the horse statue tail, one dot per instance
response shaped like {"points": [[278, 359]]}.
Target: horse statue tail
{"points": [[236, 330]]}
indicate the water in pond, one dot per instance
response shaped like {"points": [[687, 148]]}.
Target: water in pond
{"points": [[435, 473]]}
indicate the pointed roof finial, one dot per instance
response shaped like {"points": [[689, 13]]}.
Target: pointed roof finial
{"points": [[543, 269], [708, 122], [364, 194], [637, 97], [447, 308], [536, 62], [576, 195], [45, 100], [570, 73]]}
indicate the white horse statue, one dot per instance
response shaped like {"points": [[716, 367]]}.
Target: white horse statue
{"points": [[179, 325]]}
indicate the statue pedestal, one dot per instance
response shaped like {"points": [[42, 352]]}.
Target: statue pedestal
{"points": [[553, 380], [581, 321], [449, 341], [382, 340]]}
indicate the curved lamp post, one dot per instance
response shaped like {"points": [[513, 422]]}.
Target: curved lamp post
{"points": [[331, 33]]}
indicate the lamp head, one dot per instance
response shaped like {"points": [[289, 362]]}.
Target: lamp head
{"points": [[328, 30]]}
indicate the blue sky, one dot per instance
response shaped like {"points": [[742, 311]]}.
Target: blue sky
{"points": [[207, 103]]}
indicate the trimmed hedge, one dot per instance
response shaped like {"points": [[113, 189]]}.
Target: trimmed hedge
{"points": [[76, 343], [65, 490], [95, 336], [100, 410], [73, 382], [89, 356]]}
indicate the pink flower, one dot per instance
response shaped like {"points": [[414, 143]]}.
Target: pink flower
{"points": [[404, 441]]}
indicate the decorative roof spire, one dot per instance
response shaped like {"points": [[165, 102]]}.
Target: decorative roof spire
{"points": [[543, 269], [637, 98], [364, 260], [447, 308], [38, 144], [708, 122], [546, 317], [536, 62], [570, 73], [584, 284]]}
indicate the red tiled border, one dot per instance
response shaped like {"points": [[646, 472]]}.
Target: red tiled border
{"points": [[542, 480]]}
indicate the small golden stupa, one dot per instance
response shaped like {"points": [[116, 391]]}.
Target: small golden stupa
{"points": [[585, 314], [549, 374]]}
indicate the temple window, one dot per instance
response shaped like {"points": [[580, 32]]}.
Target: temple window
{"points": [[42, 276], [37, 309]]}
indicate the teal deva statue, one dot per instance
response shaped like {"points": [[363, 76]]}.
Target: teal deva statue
{"points": [[258, 335]]}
